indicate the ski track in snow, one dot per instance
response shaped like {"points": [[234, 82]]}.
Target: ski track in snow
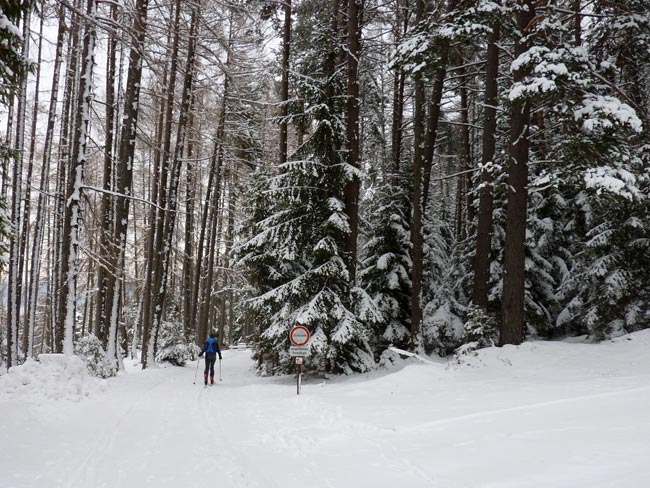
{"points": [[84, 473], [539, 416], [477, 415], [232, 461]]}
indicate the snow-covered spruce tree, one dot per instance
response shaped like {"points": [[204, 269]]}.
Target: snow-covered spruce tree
{"points": [[386, 265], [611, 295], [304, 240], [89, 348], [605, 292], [444, 298], [578, 124], [547, 258], [173, 346], [385, 271], [620, 35], [13, 65], [257, 259], [305, 235], [480, 331]]}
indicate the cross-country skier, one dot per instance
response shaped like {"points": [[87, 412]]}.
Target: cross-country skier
{"points": [[211, 350]]}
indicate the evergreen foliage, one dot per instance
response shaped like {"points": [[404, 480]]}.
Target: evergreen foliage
{"points": [[173, 347], [89, 349], [579, 140], [386, 265], [304, 235], [13, 67], [444, 297], [5, 219], [480, 331], [582, 71]]}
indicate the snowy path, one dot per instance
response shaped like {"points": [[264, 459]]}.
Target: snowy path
{"points": [[543, 415]]}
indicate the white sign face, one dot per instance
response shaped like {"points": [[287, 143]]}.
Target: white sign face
{"points": [[298, 351], [299, 335]]}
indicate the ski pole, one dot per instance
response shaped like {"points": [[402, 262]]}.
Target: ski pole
{"points": [[197, 370], [220, 378]]}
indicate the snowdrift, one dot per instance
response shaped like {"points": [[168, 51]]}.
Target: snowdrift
{"points": [[52, 377]]}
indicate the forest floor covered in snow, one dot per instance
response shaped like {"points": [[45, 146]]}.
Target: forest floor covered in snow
{"points": [[544, 414]]}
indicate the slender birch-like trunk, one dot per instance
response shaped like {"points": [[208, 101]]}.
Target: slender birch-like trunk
{"points": [[37, 235], [14, 288], [188, 251], [207, 289]]}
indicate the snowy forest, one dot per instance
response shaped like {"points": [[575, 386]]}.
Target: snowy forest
{"points": [[432, 175]]}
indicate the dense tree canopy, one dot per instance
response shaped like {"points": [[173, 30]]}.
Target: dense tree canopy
{"points": [[429, 174]]}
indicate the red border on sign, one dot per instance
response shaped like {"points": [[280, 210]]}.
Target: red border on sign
{"points": [[294, 330]]}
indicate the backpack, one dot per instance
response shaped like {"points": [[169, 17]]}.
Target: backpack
{"points": [[211, 345]]}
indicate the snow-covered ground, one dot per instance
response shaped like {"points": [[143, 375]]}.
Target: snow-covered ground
{"points": [[539, 415]]}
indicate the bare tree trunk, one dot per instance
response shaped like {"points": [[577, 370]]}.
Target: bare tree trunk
{"points": [[124, 177], [188, 254], [198, 273], [203, 299], [145, 307], [52, 285], [14, 288], [434, 115], [175, 166], [465, 161], [417, 200], [149, 333], [352, 123], [399, 80], [226, 291], [28, 335], [284, 87], [512, 326], [397, 119], [69, 250], [62, 177], [206, 302], [8, 135], [106, 211], [486, 197], [165, 222], [577, 22]]}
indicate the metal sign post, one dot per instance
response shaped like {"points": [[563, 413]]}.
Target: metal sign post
{"points": [[299, 376], [299, 337]]}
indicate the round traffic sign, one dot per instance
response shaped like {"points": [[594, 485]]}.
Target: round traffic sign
{"points": [[299, 335]]}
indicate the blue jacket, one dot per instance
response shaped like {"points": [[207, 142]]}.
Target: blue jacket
{"points": [[211, 348]]}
